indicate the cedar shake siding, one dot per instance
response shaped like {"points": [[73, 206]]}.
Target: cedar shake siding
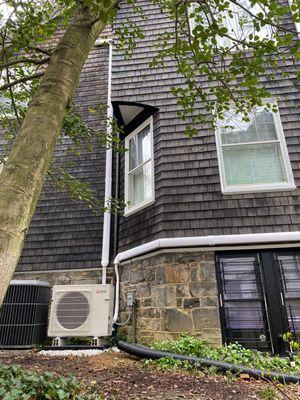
{"points": [[188, 198], [66, 234]]}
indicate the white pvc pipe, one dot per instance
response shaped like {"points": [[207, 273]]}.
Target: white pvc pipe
{"points": [[213, 240], [117, 293], [108, 176], [198, 241]]}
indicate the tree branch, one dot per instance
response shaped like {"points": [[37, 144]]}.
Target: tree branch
{"points": [[40, 50], [12, 97], [267, 21], [21, 80], [24, 60]]}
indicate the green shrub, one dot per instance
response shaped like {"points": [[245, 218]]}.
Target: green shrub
{"points": [[170, 363], [16, 384], [268, 393], [233, 353]]}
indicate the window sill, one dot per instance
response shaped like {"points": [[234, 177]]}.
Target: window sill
{"points": [[258, 188], [138, 207]]}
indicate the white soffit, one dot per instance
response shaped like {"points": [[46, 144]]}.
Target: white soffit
{"points": [[129, 112]]}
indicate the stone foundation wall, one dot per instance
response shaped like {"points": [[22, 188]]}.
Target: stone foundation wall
{"points": [[64, 277], [175, 292]]}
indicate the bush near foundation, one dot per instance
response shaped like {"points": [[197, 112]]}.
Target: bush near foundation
{"points": [[233, 353]]}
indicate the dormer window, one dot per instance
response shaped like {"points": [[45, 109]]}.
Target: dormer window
{"points": [[139, 168], [252, 154]]}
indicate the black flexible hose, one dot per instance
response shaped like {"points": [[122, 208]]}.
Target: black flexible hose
{"points": [[145, 352]]}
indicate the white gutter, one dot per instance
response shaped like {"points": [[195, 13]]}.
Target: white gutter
{"points": [[108, 175], [198, 241]]}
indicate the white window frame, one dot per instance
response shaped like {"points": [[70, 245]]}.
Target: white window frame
{"points": [[137, 207], [297, 24], [233, 21], [261, 187], [2, 164]]}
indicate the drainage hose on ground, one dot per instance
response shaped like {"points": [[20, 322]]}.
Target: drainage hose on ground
{"points": [[145, 352]]}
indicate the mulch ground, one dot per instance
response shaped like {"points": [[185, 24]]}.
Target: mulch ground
{"points": [[118, 376]]}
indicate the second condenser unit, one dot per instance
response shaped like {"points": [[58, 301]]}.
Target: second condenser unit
{"points": [[24, 314]]}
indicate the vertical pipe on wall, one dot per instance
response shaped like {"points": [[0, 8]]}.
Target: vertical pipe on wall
{"points": [[117, 195], [108, 176], [117, 293]]}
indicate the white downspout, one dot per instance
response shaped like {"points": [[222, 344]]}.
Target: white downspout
{"points": [[198, 241], [108, 175]]}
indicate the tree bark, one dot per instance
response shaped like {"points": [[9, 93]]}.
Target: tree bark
{"points": [[23, 175]]}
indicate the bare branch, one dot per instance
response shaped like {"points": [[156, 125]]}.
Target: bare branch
{"points": [[21, 80], [40, 50], [12, 97], [24, 60]]}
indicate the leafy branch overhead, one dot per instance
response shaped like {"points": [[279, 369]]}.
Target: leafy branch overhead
{"points": [[222, 49], [226, 51], [29, 34]]}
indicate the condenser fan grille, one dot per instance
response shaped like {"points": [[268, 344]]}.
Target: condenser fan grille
{"points": [[72, 310]]}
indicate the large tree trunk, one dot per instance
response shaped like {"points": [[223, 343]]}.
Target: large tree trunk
{"points": [[23, 175]]}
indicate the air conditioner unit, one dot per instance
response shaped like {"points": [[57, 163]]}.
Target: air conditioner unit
{"points": [[24, 314], [81, 310]]}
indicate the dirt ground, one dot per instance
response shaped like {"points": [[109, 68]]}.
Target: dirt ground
{"points": [[118, 376]]}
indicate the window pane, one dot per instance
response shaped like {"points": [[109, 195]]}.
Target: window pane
{"points": [[252, 164], [244, 21], [290, 286], [139, 148], [141, 184], [239, 278], [290, 275], [245, 315], [261, 127]]}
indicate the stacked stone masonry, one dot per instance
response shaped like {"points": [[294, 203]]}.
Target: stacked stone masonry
{"points": [[175, 292], [64, 277]]}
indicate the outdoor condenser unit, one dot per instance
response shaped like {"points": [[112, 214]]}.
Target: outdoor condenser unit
{"points": [[81, 310], [24, 314]]}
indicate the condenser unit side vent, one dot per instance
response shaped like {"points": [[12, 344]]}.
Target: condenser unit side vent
{"points": [[24, 314]]}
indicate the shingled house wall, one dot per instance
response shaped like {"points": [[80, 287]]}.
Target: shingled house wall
{"points": [[188, 198], [65, 234]]}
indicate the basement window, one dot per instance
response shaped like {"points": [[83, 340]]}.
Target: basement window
{"points": [[139, 168], [252, 155]]}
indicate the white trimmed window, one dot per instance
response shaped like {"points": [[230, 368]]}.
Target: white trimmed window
{"points": [[2, 161], [252, 155], [295, 8], [239, 24], [139, 168]]}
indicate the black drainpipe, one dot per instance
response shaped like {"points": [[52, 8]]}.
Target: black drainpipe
{"points": [[146, 352]]}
